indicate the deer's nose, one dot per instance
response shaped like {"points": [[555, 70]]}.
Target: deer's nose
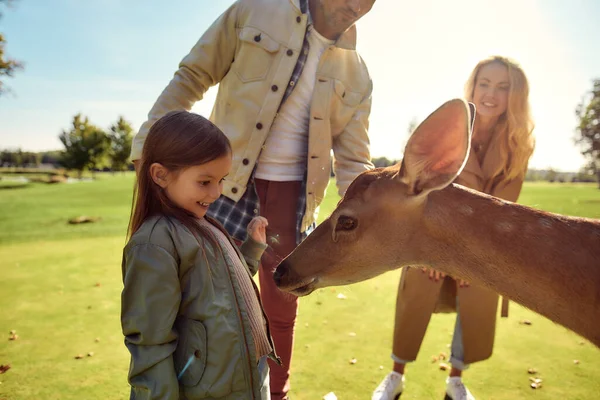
{"points": [[279, 273]]}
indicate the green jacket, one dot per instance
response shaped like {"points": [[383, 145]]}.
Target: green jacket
{"points": [[180, 304]]}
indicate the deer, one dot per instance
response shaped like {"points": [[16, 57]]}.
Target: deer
{"points": [[412, 214]]}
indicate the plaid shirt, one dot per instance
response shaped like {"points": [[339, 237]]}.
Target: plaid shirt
{"points": [[235, 217]]}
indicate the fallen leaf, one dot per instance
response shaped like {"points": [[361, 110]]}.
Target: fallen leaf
{"points": [[12, 332], [443, 356], [353, 334], [83, 219], [306, 324], [330, 396], [576, 362], [91, 354], [444, 366], [536, 385], [525, 322], [79, 356], [341, 296], [14, 336], [4, 368], [535, 380], [434, 359], [353, 361], [381, 367], [98, 284], [97, 340], [532, 371], [581, 343]]}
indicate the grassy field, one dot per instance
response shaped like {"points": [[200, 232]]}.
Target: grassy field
{"points": [[60, 291]]}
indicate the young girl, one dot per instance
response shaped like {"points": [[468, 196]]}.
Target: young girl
{"points": [[191, 314]]}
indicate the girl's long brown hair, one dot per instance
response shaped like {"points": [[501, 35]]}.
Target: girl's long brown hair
{"points": [[177, 141]]}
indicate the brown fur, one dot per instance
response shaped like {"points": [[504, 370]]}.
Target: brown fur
{"points": [[547, 262]]}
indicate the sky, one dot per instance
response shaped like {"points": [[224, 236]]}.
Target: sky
{"points": [[107, 58]]}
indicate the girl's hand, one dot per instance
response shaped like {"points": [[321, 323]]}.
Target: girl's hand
{"points": [[257, 229]]}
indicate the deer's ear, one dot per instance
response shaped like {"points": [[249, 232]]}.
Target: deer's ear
{"points": [[438, 149]]}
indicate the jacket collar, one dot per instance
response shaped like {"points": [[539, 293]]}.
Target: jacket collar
{"points": [[479, 176], [347, 40]]}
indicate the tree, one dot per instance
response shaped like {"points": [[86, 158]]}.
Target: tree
{"points": [[381, 162], [588, 130], [7, 158], [120, 135], [8, 66], [85, 145], [551, 175], [51, 157], [412, 125]]}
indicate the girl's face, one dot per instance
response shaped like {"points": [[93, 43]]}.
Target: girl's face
{"points": [[491, 90], [195, 188]]}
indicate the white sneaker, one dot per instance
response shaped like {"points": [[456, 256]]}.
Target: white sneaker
{"points": [[390, 388], [456, 389]]}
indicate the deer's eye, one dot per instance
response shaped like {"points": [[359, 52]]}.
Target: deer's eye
{"points": [[345, 223]]}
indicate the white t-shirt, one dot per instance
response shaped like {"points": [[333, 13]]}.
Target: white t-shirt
{"points": [[286, 147]]}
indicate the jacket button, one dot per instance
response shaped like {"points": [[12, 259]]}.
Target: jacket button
{"points": [[257, 38], [197, 354], [298, 19], [274, 88], [245, 161], [234, 190], [290, 52], [259, 126]]}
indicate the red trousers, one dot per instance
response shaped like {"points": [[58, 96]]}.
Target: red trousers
{"points": [[278, 204]]}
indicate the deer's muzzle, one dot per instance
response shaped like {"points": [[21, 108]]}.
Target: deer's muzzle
{"points": [[288, 280]]}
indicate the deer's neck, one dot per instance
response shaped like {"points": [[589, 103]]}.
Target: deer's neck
{"points": [[548, 263]]}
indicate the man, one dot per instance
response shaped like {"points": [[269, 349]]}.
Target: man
{"points": [[291, 89]]}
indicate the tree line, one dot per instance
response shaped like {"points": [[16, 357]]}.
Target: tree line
{"points": [[86, 147]]}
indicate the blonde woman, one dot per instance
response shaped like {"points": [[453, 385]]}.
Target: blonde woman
{"points": [[501, 146]]}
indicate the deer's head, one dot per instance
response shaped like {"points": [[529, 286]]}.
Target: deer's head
{"points": [[382, 210]]}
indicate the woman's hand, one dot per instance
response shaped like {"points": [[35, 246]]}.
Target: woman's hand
{"points": [[257, 229], [437, 275], [434, 275]]}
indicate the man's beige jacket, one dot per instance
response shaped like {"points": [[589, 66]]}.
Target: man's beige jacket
{"points": [[251, 51]]}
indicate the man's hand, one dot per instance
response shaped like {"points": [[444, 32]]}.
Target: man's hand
{"points": [[257, 229]]}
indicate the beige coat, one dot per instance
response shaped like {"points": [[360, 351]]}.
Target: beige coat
{"points": [[251, 51], [419, 297]]}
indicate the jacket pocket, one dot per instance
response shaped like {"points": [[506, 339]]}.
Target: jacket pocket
{"points": [[344, 103], [190, 355], [256, 53], [348, 97]]}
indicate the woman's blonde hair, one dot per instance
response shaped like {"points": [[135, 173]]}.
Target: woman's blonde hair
{"points": [[516, 124]]}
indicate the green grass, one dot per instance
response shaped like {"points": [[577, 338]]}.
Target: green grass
{"points": [[49, 294], [42, 211]]}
